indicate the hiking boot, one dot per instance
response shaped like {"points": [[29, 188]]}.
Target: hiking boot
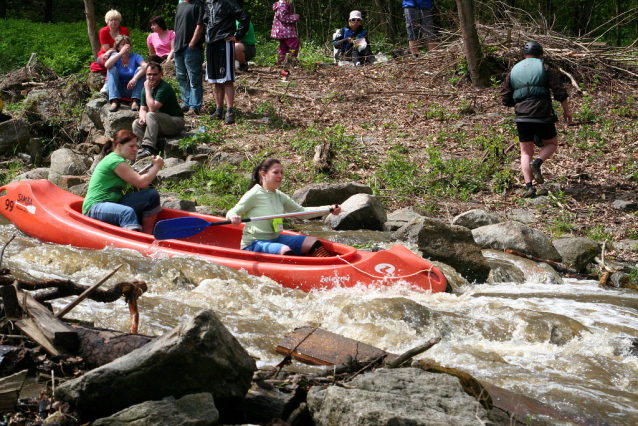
{"points": [[243, 67], [185, 108], [147, 151], [135, 105], [194, 111], [536, 171], [230, 118], [530, 193], [218, 114]]}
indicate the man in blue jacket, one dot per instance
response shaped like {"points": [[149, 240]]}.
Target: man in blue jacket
{"points": [[419, 23]]}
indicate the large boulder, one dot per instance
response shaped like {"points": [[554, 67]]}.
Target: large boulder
{"points": [[14, 136], [401, 217], [68, 162], [322, 194], [450, 244], [400, 397], [516, 236], [122, 119], [361, 211], [200, 355], [191, 410], [93, 110], [577, 252], [179, 171], [41, 105], [475, 219]]}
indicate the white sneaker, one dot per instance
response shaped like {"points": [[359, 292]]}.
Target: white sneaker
{"points": [[104, 89]]}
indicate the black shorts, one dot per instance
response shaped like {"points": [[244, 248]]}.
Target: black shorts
{"points": [[220, 61], [527, 131]]}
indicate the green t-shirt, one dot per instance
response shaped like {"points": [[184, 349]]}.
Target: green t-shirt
{"points": [[249, 38], [105, 184], [165, 94]]}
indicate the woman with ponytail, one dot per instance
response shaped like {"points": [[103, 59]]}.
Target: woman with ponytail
{"points": [[264, 199], [105, 199]]}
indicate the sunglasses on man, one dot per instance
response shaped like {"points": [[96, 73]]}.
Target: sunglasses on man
{"points": [[356, 20]]}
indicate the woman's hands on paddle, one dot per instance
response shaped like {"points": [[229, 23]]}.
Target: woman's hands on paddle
{"points": [[234, 219]]}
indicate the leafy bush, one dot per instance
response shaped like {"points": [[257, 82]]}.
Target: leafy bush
{"points": [[63, 47]]}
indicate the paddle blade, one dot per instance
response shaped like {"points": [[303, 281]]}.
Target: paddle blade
{"points": [[181, 227]]}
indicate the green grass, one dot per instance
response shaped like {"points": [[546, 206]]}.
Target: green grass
{"points": [[63, 47]]}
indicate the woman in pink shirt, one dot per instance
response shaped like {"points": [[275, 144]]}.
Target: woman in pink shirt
{"points": [[161, 42]]}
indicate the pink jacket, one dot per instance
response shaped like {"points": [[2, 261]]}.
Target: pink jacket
{"points": [[283, 25]]}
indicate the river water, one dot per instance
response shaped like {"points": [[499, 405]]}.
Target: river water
{"points": [[567, 345]]}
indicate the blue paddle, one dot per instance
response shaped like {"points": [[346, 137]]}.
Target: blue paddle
{"points": [[184, 227]]}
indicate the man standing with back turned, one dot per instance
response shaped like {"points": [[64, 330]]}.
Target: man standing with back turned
{"points": [[527, 88], [189, 53]]}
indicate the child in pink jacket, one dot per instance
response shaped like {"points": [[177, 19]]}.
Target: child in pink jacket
{"points": [[284, 30]]}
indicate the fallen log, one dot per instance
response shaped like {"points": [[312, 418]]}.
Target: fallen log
{"points": [[99, 346], [43, 327], [558, 267]]}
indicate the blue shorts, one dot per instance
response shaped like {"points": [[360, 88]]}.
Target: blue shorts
{"points": [[419, 23], [130, 211], [274, 246]]}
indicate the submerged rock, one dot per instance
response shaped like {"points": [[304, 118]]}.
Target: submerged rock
{"points": [[401, 397], [512, 268], [200, 355]]}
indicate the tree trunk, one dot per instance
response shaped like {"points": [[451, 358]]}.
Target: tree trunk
{"points": [[471, 44], [91, 26], [618, 21], [3, 9]]}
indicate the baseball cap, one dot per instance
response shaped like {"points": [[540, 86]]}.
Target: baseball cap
{"points": [[355, 14]]}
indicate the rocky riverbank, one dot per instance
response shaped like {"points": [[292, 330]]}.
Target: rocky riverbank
{"points": [[467, 244]]}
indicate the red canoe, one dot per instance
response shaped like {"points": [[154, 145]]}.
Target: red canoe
{"points": [[44, 211]]}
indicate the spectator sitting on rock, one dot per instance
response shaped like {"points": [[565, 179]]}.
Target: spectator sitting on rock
{"points": [[160, 113], [126, 74], [108, 35], [351, 41]]}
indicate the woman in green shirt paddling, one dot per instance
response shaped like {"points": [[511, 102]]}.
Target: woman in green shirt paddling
{"points": [[265, 199], [105, 200]]}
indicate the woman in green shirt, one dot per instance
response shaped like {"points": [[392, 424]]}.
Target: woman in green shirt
{"points": [[105, 200], [264, 199]]}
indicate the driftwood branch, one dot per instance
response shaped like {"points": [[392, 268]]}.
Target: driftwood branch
{"points": [[86, 293], [65, 288], [559, 267], [406, 356]]}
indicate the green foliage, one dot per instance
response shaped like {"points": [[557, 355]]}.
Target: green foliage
{"points": [[598, 233], [218, 186], [63, 47], [624, 109], [208, 137], [587, 112], [8, 175]]}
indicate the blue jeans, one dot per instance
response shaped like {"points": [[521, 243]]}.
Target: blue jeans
{"points": [[188, 71], [294, 242], [118, 89], [130, 211]]}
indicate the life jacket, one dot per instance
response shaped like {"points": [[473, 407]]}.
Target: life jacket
{"points": [[529, 80]]}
